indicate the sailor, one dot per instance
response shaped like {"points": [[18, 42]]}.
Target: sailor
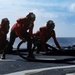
{"points": [[23, 28], [4, 29], [47, 32]]}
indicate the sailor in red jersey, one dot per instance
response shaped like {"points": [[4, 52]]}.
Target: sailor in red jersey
{"points": [[4, 29], [47, 32], [20, 29]]}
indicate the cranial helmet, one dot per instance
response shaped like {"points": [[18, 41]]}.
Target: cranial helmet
{"points": [[4, 21], [31, 16], [50, 24]]}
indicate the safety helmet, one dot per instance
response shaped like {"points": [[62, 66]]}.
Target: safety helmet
{"points": [[31, 16], [4, 21], [50, 24]]}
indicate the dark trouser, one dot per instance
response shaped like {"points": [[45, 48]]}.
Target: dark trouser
{"points": [[29, 42], [13, 36], [9, 47], [3, 45]]}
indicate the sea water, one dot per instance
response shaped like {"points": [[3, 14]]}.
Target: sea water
{"points": [[63, 41]]}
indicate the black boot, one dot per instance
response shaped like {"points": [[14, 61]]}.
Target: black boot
{"points": [[3, 56], [31, 55]]}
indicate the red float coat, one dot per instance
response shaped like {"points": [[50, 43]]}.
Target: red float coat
{"points": [[22, 26]]}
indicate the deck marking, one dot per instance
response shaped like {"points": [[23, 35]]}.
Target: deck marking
{"points": [[29, 72], [7, 59]]}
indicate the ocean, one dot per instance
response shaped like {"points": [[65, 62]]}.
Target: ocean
{"points": [[63, 41]]}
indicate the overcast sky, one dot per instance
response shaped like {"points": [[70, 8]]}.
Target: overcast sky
{"points": [[62, 12]]}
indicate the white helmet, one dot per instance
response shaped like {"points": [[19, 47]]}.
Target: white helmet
{"points": [[31, 16], [4, 21], [50, 24]]}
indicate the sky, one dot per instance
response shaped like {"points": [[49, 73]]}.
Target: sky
{"points": [[62, 12]]}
